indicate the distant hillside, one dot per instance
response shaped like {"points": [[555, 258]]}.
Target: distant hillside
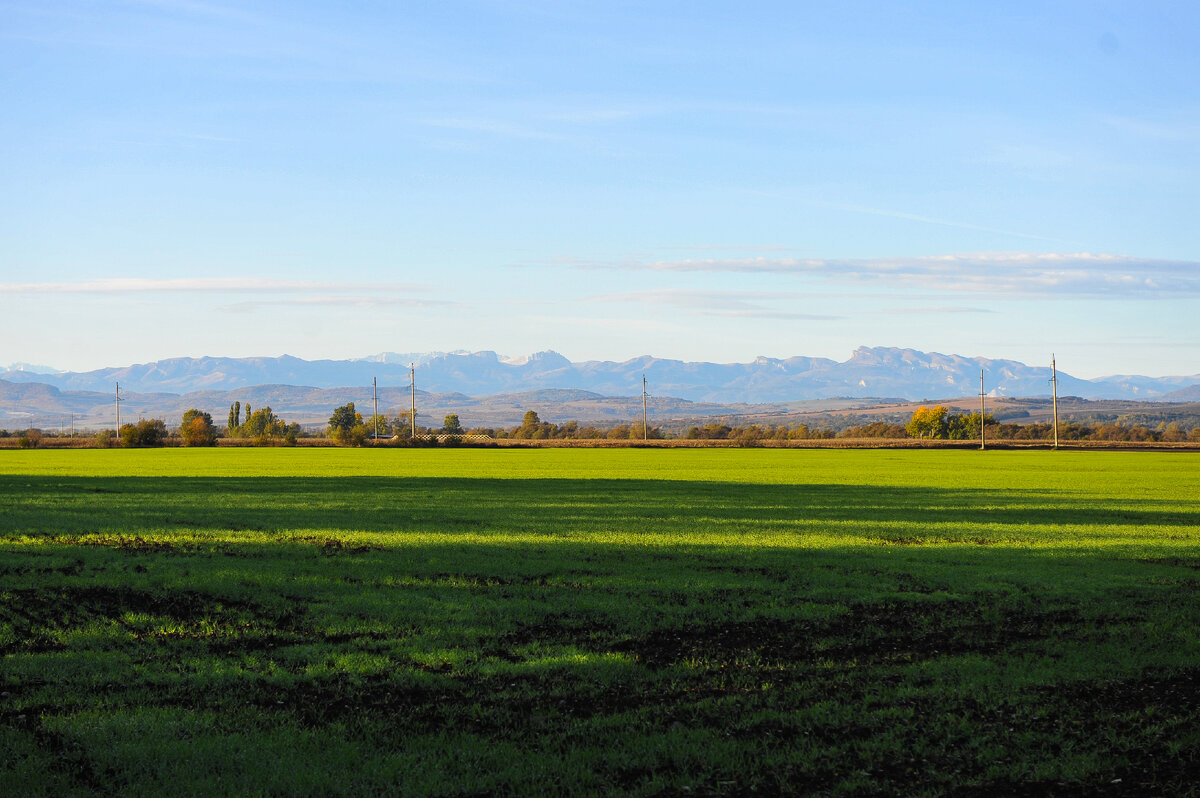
{"points": [[32, 404], [870, 372], [1188, 394], [23, 405]]}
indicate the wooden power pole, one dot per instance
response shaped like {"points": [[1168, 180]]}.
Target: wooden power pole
{"points": [[117, 403], [982, 409], [645, 427], [375, 392], [1054, 394], [412, 418]]}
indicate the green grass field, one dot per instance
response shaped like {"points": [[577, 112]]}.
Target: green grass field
{"points": [[465, 622]]}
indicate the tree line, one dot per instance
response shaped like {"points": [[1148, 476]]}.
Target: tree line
{"points": [[939, 422], [348, 427], [197, 428], [930, 423]]}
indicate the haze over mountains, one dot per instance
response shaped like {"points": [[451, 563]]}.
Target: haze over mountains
{"points": [[870, 372], [489, 390]]}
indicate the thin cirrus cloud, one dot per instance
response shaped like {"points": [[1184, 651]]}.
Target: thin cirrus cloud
{"points": [[490, 127], [728, 304], [931, 310], [185, 285], [1187, 130], [1081, 274], [373, 301]]}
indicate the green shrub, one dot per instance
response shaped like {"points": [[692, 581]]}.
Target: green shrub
{"points": [[147, 432]]}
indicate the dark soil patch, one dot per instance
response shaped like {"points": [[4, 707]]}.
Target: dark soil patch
{"points": [[1174, 562], [72, 760], [900, 631], [923, 630], [30, 610], [498, 705], [133, 544], [74, 569], [788, 782], [333, 546], [1172, 694], [1050, 789], [320, 702], [69, 606], [559, 629], [1141, 712], [773, 574], [507, 702], [484, 581], [139, 544]]}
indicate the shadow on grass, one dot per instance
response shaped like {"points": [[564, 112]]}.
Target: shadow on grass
{"points": [[756, 654], [445, 505], [537, 569]]}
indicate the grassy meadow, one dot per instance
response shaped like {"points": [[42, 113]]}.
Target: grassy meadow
{"points": [[604, 621]]}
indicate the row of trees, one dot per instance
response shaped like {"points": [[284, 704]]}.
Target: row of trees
{"points": [[262, 425], [348, 427], [533, 428], [1165, 433], [197, 429], [939, 422]]}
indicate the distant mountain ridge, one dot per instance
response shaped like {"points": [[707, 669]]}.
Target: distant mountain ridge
{"points": [[36, 404], [870, 372]]}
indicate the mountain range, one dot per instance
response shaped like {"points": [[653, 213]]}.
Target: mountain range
{"points": [[34, 404], [870, 372]]}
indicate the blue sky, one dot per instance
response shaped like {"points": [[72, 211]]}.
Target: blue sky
{"points": [[705, 181]]}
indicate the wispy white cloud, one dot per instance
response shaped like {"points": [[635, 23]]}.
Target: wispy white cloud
{"points": [[729, 304], [204, 137], [233, 285], [933, 220], [338, 301], [719, 248], [766, 313], [491, 127], [920, 219], [186, 7], [591, 115], [1176, 130], [616, 326], [1081, 274], [931, 310], [167, 27], [756, 264]]}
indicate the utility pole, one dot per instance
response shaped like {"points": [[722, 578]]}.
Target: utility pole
{"points": [[117, 404], [412, 377], [1054, 383], [645, 428], [375, 391], [982, 408]]}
